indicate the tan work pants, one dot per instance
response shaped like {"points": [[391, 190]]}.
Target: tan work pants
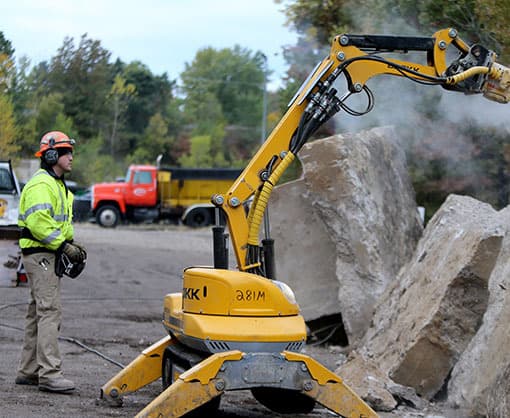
{"points": [[40, 354]]}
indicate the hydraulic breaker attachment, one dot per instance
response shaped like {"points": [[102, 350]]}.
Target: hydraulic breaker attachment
{"points": [[144, 369], [275, 373]]}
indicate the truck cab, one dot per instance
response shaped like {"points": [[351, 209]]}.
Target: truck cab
{"points": [[141, 186], [112, 202]]}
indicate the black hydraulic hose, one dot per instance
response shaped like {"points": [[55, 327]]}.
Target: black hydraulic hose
{"points": [[300, 137], [297, 139], [271, 164], [310, 128], [220, 250], [309, 123], [400, 68], [334, 328], [370, 104], [269, 259], [253, 258]]}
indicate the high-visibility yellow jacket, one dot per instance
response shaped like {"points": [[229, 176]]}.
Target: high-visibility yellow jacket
{"points": [[46, 208]]}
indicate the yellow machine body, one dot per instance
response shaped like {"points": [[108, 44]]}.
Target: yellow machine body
{"points": [[222, 310]]}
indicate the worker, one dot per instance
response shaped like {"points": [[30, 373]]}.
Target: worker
{"points": [[47, 235]]}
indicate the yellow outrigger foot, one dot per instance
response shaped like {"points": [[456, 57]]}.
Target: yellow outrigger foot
{"points": [[193, 388], [144, 369], [235, 370], [329, 390]]}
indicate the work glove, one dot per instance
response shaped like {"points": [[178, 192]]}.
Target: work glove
{"points": [[74, 252]]}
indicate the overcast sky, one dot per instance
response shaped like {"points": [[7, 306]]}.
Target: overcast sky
{"points": [[163, 34]]}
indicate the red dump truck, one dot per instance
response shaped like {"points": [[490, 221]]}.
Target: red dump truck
{"points": [[149, 194]]}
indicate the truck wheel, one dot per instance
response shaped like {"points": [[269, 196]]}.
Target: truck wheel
{"points": [[108, 216], [198, 218]]}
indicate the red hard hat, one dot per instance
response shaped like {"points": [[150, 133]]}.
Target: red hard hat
{"points": [[54, 139]]}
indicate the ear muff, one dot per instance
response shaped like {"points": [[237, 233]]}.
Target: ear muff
{"points": [[51, 155]]}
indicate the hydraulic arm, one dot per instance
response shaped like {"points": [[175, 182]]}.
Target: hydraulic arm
{"points": [[358, 58]]}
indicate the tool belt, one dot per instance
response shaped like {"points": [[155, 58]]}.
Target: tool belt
{"points": [[25, 233]]}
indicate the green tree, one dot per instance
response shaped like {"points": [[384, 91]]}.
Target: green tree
{"points": [[223, 97], [27, 138], [319, 19], [155, 141], [21, 93], [24, 102], [47, 111], [209, 120], [6, 46], [178, 129], [235, 76], [201, 154], [153, 95], [8, 146], [29, 91], [7, 65], [120, 95], [494, 16], [92, 165], [83, 75]]}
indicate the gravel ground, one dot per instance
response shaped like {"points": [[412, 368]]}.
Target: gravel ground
{"points": [[114, 308]]}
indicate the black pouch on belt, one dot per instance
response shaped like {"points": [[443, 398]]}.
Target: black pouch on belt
{"points": [[59, 263]]}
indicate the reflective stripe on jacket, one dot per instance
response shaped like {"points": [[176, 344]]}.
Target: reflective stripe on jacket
{"points": [[46, 210]]}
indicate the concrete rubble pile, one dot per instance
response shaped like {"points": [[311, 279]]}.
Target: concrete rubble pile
{"points": [[425, 312]]}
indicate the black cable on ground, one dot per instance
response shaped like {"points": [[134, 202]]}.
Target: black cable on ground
{"points": [[92, 350], [74, 341], [12, 304]]}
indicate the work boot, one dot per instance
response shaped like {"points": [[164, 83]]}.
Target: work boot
{"points": [[32, 380], [58, 385]]}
